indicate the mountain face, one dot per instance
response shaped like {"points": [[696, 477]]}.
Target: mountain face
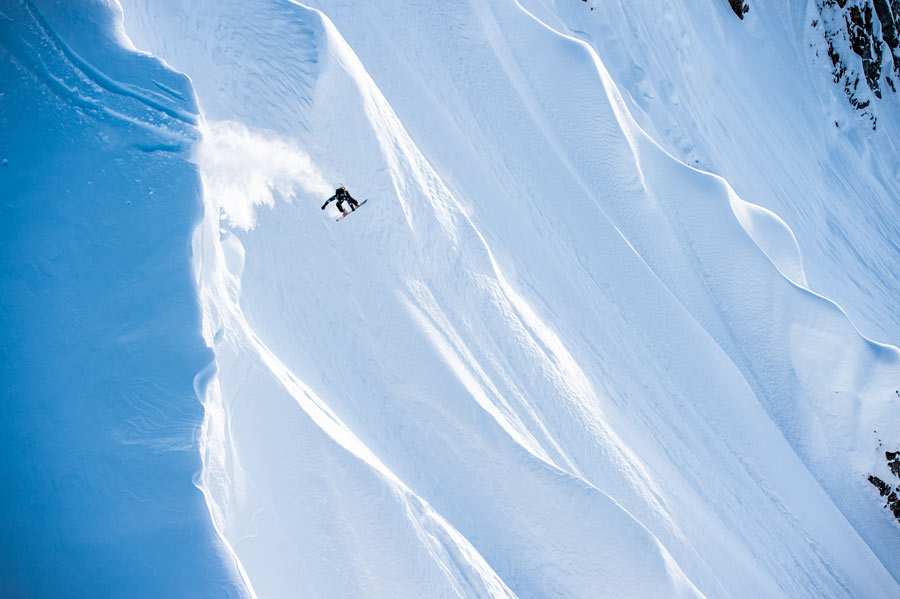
{"points": [[101, 346], [862, 40], [868, 28], [884, 488], [616, 319]]}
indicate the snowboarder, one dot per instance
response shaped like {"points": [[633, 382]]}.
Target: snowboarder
{"points": [[342, 195]]}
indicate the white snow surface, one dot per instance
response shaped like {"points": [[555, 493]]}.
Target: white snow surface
{"points": [[102, 353], [569, 348]]}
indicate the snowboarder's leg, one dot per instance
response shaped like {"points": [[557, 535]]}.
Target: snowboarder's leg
{"points": [[340, 205], [353, 203]]}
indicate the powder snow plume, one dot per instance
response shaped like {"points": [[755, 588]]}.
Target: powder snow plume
{"points": [[242, 169]]}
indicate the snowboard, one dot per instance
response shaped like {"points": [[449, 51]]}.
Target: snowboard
{"points": [[338, 219]]}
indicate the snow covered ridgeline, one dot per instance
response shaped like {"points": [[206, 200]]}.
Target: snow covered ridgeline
{"points": [[542, 315], [101, 346], [550, 363]]}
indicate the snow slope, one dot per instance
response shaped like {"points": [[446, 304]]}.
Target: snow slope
{"points": [[101, 346], [754, 102], [540, 313], [548, 358]]}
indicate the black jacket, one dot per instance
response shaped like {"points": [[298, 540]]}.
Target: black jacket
{"points": [[341, 196]]}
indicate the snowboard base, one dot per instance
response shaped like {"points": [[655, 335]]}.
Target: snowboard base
{"points": [[338, 219]]}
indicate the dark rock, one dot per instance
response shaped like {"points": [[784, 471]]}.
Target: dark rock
{"points": [[893, 460], [860, 30], [889, 17], [883, 488], [857, 33], [739, 7], [892, 502]]}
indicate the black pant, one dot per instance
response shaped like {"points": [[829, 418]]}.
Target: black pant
{"points": [[353, 204]]}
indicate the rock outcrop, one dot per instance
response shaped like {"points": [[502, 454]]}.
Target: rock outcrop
{"points": [[862, 41], [861, 38], [739, 7], [885, 489]]}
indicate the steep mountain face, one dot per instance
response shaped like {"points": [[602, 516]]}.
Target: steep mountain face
{"points": [[577, 343], [861, 38], [862, 172], [698, 85], [101, 350], [544, 339], [890, 489]]}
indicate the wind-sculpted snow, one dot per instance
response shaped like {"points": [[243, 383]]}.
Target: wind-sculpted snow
{"points": [[772, 236], [101, 337], [593, 362], [755, 102], [546, 359]]}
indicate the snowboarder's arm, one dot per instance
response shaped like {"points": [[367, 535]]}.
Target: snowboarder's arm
{"points": [[331, 199]]}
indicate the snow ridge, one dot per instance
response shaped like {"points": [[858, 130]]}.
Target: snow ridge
{"points": [[477, 322], [101, 330], [568, 349]]}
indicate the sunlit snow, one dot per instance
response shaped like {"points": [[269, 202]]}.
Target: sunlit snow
{"points": [[596, 332]]}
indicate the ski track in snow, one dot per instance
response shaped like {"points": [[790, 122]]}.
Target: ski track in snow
{"points": [[549, 360]]}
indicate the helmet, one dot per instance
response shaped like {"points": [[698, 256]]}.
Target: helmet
{"points": [[340, 189]]}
